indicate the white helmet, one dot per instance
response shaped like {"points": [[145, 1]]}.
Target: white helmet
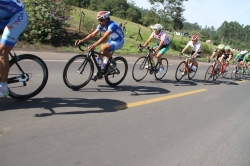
{"points": [[103, 14], [243, 52], [157, 27]]}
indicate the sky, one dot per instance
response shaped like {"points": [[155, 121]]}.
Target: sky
{"points": [[211, 12]]}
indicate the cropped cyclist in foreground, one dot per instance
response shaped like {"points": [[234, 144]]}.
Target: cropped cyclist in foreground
{"points": [[111, 29], [13, 21], [163, 43]]}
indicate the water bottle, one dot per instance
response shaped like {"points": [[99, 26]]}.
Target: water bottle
{"points": [[99, 61], [194, 68], [105, 61]]}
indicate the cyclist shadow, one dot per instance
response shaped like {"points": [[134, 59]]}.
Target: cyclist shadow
{"points": [[176, 83], [220, 81], [77, 105], [136, 90]]}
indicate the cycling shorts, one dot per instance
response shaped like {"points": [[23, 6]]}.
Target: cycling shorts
{"points": [[163, 48], [197, 55], [115, 45], [12, 27], [239, 60]]}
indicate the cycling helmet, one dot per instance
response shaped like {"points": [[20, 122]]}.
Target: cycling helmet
{"points": [[103, 15], [221, 46], [227, 47], [243, 52], [195, 37], [157, 27]]}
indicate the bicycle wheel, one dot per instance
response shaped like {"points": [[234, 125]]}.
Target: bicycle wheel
{"points": [[209, 74], [118, 73], [224, 73], [180, 71], [139, 71], [192, 73], [235, 74], [165, 66], [78, 72], [25, 85], [218, 68]]}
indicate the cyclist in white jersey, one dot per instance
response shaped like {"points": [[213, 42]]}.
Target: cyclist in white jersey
{"points": [[111, 29], [163, 43], [13, 21], [195, 46]]}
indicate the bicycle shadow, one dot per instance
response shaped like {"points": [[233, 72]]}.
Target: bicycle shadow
{"points": [[184, 82], [220, 81], [136, 90], [79, 105]]}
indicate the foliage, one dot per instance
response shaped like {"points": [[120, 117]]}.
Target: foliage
{"points": [[48, 22]]}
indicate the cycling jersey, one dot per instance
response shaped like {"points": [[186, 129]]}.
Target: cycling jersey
{"points": [[195, 46], [115, 29], [116, 40], [162, 36], [13, 20], [246, 58], [219, 52]]}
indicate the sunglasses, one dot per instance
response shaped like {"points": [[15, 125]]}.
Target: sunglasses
{"points": [[101, 20]]}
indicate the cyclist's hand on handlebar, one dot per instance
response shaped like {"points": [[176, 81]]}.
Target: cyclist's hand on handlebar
{"points": [[77, 42], [91, 47]]}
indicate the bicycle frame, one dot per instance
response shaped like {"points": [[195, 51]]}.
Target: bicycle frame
{"points": [[23, 77], [93, 54], [151, 68]]}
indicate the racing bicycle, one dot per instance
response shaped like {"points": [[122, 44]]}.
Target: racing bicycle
{"points": [[186, 68], [144, 64], [79, 70], [28, 75]]}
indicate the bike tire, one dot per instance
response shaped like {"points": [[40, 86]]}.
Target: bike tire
{"points": [[193, 73], [209, 73], [36, 70], [73, 77], [118, 73], [165, 65], [139, 72], [179, 71]]}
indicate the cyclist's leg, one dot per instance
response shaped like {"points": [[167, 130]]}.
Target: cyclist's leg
{"points": [[12, 27], [110, 47], [161, 52]]}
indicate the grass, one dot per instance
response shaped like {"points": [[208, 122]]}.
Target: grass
{"points": [[131, 30]]}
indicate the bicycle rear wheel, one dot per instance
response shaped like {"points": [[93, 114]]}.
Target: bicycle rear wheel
{"points": [[117, 73], [165, 66], [78, 72], [209, 74], [139, 71], [235, 74], [192, 73], [180, 71], [25, 85]]}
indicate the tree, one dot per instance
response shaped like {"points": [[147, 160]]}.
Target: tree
{"points": [[170, 12]]}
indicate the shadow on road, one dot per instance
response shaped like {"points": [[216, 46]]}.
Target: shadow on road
{"points": [[80, 105], [136, 90]]}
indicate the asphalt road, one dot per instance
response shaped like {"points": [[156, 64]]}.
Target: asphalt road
{"points": [[147, 123]]}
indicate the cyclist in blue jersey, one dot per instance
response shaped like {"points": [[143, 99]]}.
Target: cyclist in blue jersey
{"points": [[112, 30], [13, 21]]}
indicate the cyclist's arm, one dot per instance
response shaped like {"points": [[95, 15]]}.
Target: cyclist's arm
{"points": [[159, 46], [90, 36], [103, 38], [196, 51], [146, 43], [184, 49]]}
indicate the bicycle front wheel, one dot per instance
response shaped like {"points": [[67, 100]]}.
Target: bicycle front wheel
{"points": [[117, 73], [140, 68], [180, 71], [78, 72], [164, 62], [26, 85], [209, 74], [192, 73]]}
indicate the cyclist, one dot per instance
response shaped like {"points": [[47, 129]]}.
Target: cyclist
{"points": [[111, 29], [246, 60], [239, 59], [13, 21], [226, 56], [218, 52], [161, 47], [196, 48]]}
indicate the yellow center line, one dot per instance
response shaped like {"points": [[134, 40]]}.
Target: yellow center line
{"points": [[143, 102], [241, 81]]}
